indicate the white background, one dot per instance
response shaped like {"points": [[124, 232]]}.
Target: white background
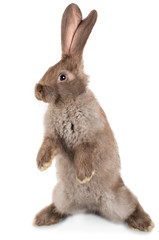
{"points": [[122, 59]]}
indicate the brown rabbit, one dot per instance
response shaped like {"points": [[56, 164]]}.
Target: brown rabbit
{"points": [[78, 134]]}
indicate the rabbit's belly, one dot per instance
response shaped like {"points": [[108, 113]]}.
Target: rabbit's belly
{"points": [[75, 195]]}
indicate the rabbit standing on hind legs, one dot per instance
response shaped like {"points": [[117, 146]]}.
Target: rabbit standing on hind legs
{"points": [[78, 134]]}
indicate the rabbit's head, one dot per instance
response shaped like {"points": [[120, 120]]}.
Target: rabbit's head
{"points": [[66, 79]]}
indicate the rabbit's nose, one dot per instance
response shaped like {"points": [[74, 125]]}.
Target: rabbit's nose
{"points": [[39, 92]]}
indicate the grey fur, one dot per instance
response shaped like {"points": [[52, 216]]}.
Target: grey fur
{"points": [[97, 195]]}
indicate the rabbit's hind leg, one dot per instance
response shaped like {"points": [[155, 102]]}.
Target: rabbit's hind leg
{"points": [[48, 216], [121, 205]]}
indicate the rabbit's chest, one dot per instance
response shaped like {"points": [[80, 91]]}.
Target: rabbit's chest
{"points": [[71, 126]]}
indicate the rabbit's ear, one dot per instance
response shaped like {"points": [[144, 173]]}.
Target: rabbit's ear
{"points": [[71, 19], [82, 34]]}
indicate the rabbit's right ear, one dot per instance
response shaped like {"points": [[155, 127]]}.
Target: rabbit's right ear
{"points": [[71, 19]]}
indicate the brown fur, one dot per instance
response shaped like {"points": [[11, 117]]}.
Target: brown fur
{"points": [[84, 161], [139, 220], [78, 133], [48, 216], [46, 153]]}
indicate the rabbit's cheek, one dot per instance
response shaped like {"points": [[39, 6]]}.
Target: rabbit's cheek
{"points": [[50, 95]]}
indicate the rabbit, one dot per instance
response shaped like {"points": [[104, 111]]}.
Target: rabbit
{"points": [[78, 134]]}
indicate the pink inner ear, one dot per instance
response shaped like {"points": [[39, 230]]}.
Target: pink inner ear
{"points": [[71, 31], [70, 22]]}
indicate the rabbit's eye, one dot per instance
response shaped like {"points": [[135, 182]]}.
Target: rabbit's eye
{"points": [[62, 77]]}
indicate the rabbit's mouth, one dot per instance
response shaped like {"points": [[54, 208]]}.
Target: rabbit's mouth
{"points": [[45, 93]]}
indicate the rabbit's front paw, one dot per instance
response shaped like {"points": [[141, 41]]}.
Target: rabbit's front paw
{"points": [[84, 177], [44, 159]]}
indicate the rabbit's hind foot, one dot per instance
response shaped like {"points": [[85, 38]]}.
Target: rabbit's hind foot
{"points": [[48, 216], [140, 220]]}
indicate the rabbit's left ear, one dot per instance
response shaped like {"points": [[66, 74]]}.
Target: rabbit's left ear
{"points": [[82, 33], [71, 19]]}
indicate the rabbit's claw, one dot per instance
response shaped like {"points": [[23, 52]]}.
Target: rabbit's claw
{"points": [[86, 178], [45, 165]]}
